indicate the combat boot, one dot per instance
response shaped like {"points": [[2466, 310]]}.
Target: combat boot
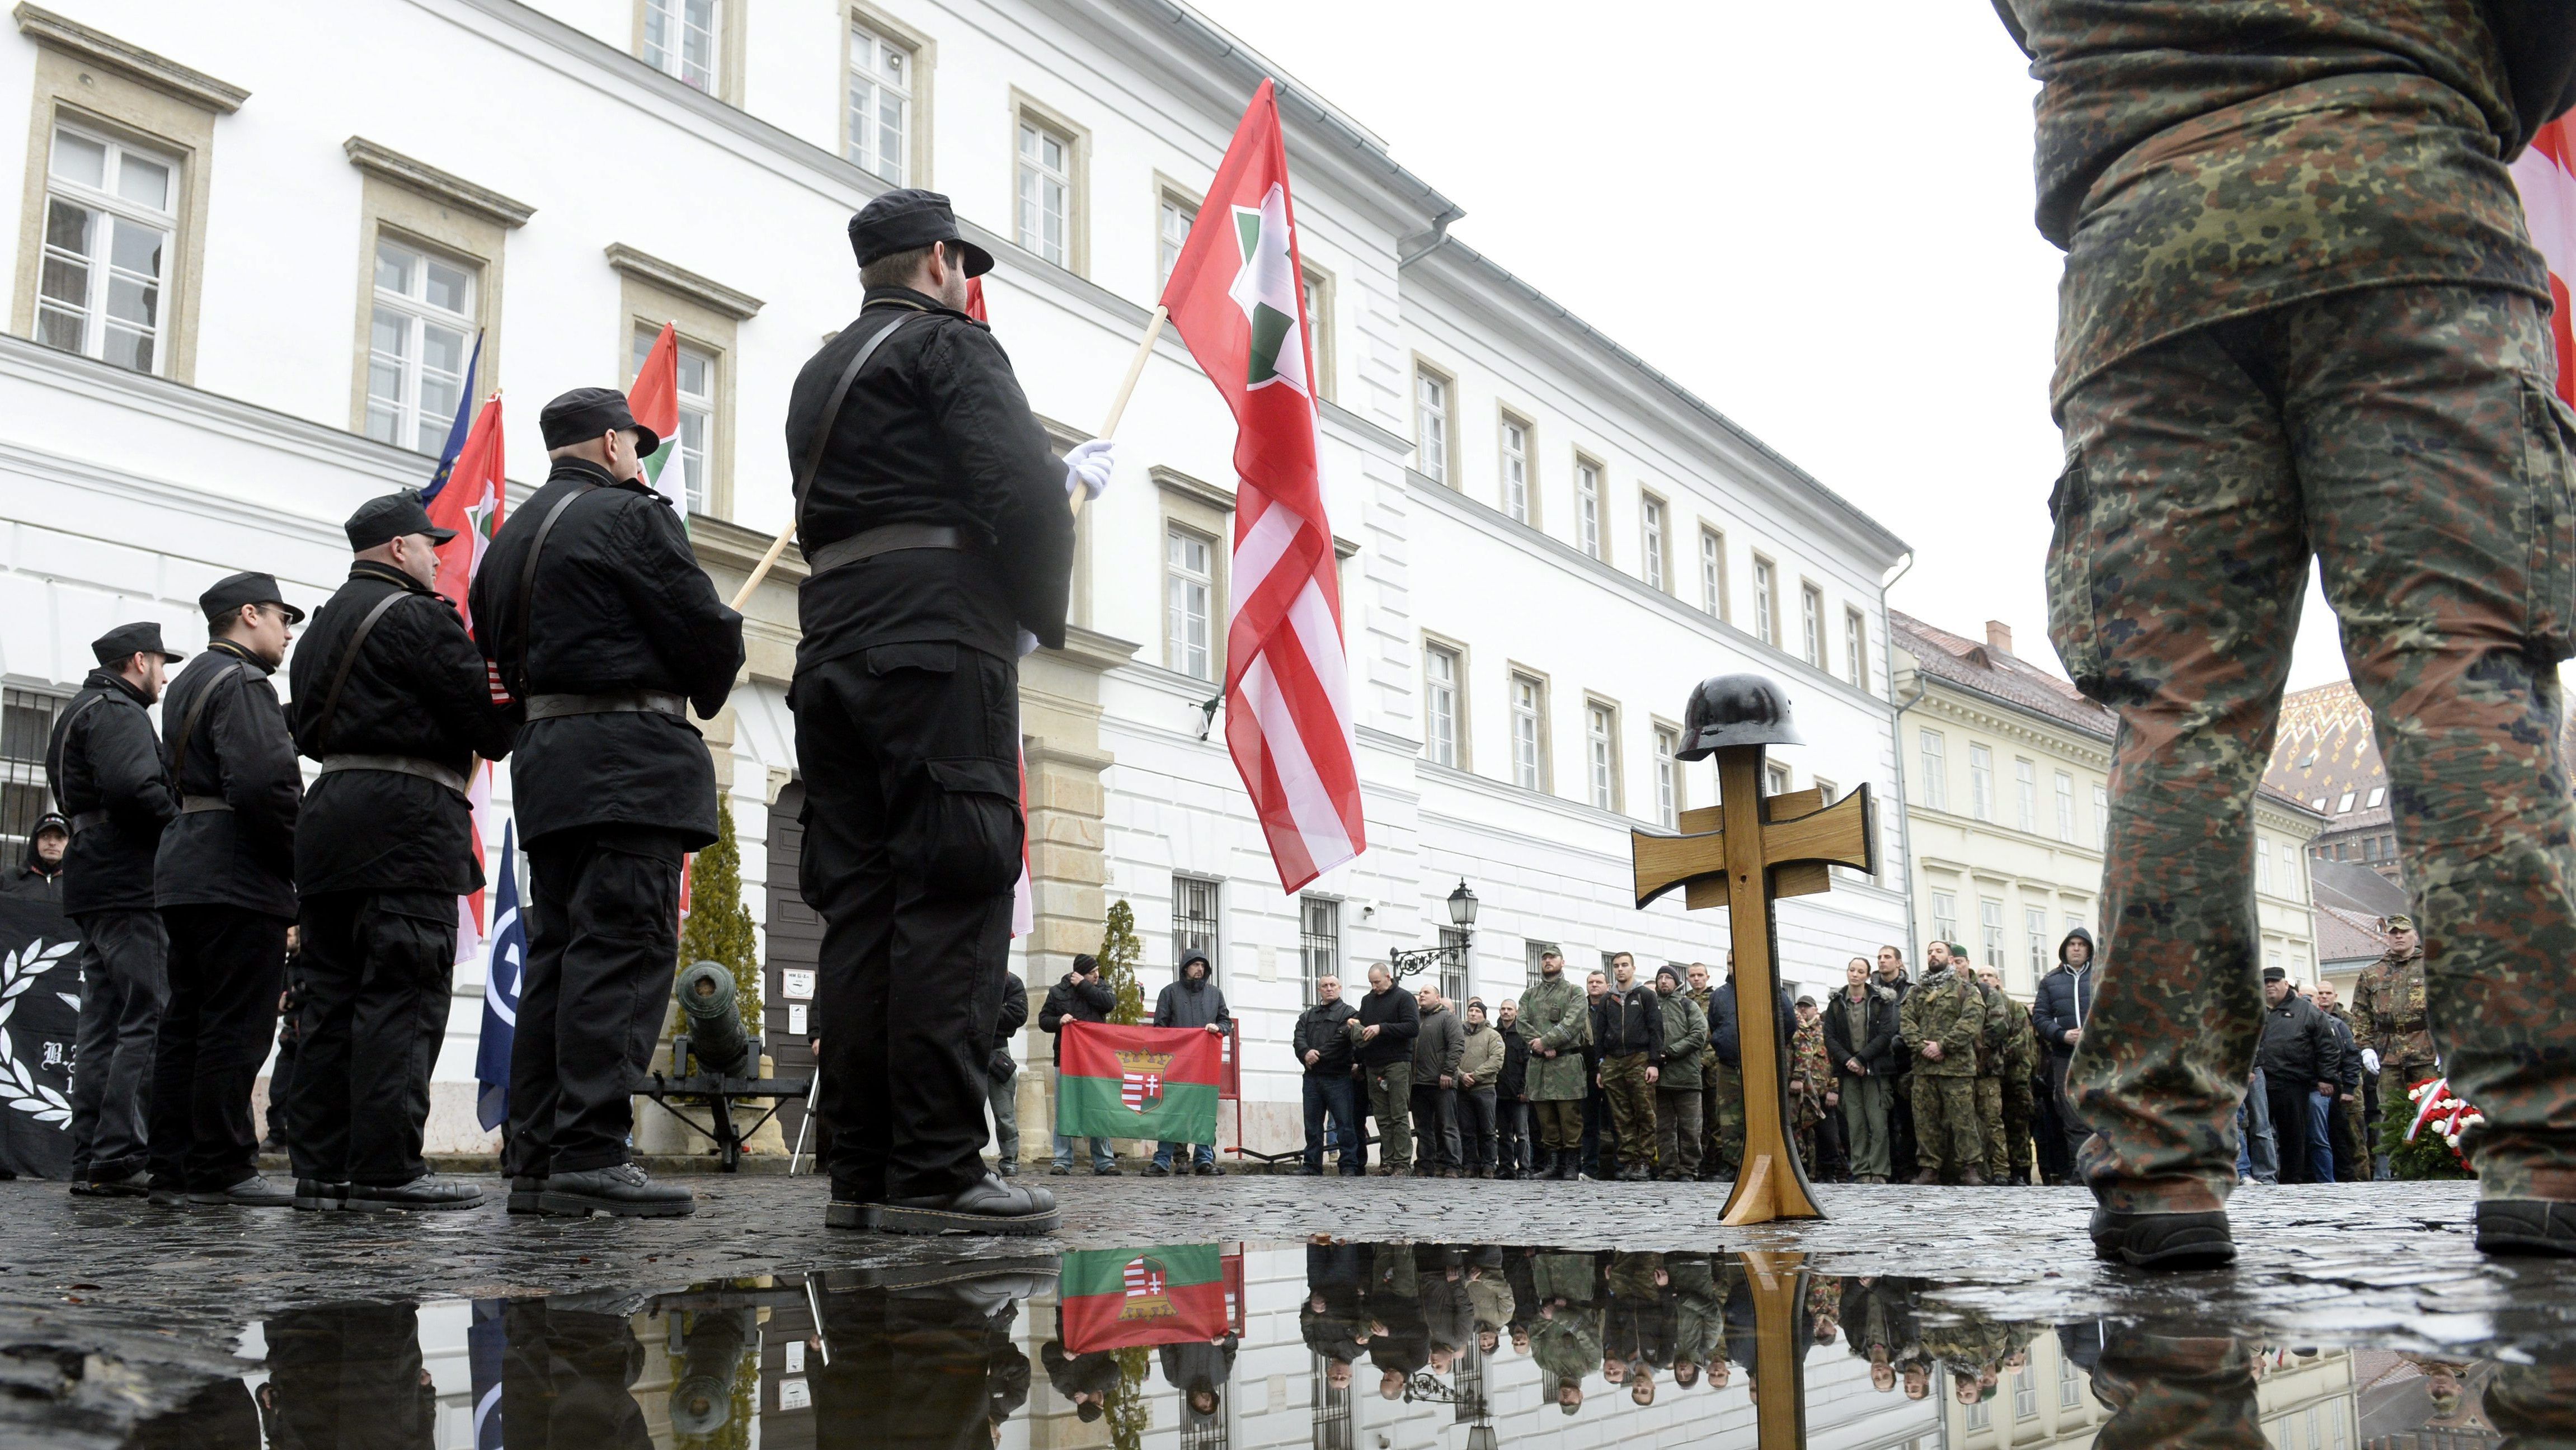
{"points": [[2527, 1226], [314, 1195], [524, 1193], [1972, 1177], [2162, 1240], [1928, 1178], [987, 1206], [428, 1193], [621, 1189], [251, 1192]]}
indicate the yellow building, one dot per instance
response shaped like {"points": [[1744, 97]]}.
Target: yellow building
{"points": [[2007, 793]]}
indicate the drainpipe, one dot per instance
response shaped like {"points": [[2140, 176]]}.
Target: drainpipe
{"points": [[1896, 740], [1439, 238]]}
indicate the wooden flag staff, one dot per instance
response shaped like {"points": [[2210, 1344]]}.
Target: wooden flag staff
{"points": [[1117, 410]]}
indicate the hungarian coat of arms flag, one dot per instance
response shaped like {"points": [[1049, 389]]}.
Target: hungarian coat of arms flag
{"points": [[1118, 1298], [1137, 1082]]}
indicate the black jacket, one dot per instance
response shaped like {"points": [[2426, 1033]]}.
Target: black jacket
{"points": [[2065, 997], [935, 431], [416, 689], [1188, 1003], [2347, 1054], [1725, 1034], [620, 604], [1015, 1015], [1319, 1030], [1399, 1020], [1629, 1021], [1090, 1001], [31, 881], [105, 756], [1514, 1082], [1876, 1048], [241, 754], [2298, 1045]]}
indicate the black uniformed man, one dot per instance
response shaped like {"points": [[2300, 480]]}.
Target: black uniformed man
{"points": [[392, 697], [934, 520], [105, 765], [225, 882], [604, 627]]}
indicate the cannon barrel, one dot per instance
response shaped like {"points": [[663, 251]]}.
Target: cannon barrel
{"points": [[716, 1036]]}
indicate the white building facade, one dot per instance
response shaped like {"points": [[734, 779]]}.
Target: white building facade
{"points": [[248, 273]]}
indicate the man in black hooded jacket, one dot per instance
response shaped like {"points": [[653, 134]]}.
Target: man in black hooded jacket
{"points": [[40, 876], [1193, 999], [2064, 1001]]}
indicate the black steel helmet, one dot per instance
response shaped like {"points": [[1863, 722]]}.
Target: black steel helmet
{"points": [[1735, 710]]}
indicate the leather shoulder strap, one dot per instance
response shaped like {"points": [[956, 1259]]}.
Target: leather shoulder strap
{"points": [[832, 409], [188, 727], [517, 678], [349, 659], [63, 739]]}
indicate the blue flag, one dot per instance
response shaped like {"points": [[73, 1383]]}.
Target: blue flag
{"points": [[502, 972], [486, 1344], [456, 432]]}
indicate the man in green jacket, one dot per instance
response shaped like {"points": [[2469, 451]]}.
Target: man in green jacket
{"points": [[1940, 1024], [1677, 1088], [1557, 1022]]}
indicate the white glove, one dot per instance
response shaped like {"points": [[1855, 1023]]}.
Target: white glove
{"points": [[1088, 467], [2370, 1058], [1028, 644]]}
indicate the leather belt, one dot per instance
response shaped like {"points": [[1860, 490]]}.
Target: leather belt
{"points": [[612, 702], [190, 805], [399, 765], [883, 539], [87, 819]]}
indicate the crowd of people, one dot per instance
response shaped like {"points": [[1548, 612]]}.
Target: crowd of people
{"points": [[1945, 1079]]}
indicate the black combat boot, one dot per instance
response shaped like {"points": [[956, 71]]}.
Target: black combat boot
{"points": [[621, 1189], [428, 1193], [987, 1206], [2165, 1240], [2527, 1226], [314, 1195]]}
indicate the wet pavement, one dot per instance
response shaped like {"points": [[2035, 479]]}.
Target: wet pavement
{"points": [[1201, 1314]]}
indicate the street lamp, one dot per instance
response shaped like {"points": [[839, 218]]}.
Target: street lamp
{"points": [[1462, 915]]}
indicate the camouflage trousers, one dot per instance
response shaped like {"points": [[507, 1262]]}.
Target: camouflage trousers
{"points": [[1677, 1120], [1726, 1105], [1631, 1103], [1946, 1138], [2407, 438], [1990, 1125], [2015, 1154]]}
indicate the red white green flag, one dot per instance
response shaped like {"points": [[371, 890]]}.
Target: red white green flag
{"points": [[654, 399], [1237, 298], [1137, 1082], [1119, 1298]]}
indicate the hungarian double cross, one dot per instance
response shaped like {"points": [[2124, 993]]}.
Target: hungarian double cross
{"points": [[1739, 854]]}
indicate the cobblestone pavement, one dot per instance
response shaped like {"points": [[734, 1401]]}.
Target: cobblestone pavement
{"points": [[117, 1299]]}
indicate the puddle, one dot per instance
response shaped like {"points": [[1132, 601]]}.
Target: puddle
{"points": [[1337, 1346]]}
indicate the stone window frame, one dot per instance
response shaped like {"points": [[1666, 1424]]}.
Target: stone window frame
{"points": [[1766, 599], [856, 14], [1655, 541], [1506, 418], [1029, 110], [1599, 546], [1513, 674], [1716, 590], [1198, 507], [1659, 730], [1456, 649], [1423, 368], [729, 50], [652, 292], [1320, 301], [1614, 764], [98, 81], [422, 206]]}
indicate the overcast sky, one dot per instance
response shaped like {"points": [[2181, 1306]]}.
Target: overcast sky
{"points": [[1815, 217]]}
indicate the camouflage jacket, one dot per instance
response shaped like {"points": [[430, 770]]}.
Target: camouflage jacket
{"points": [[2388, 1010], [1949, 1008], [2208, 160], [1996, 1035], [1554, 1015], [1811, 1064], [2021, 1041]]}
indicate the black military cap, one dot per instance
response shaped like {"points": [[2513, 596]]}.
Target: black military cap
{"points": [[587, 413], [380, 520], [234, 591], [902, 220], [2275, 974], [128, 640]]}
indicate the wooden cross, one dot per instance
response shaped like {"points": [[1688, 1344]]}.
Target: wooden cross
{"points": [[1739, 854], [1778, 1283]]}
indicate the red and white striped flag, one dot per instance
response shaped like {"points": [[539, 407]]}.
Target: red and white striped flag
{"points": [[1237, 299], [471, 498], [2546, 173]]}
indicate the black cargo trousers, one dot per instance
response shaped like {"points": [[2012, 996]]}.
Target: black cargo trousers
{"points": [[912, 846]]}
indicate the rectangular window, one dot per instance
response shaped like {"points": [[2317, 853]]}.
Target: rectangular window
{"points": [[680, 40], [1319, 940], [1990, 917], [1936, 770], [1516, 469], [1856, 647], [1194, 921], [1766, 602], [1945, 916], [1431, 424], [1173, 220], [1456, 970], [1668, 778], [1712, 572], [2034, 927], [2262, 864], [697, 416], [1188, 586], [2065, 806], [2025, 1395], [1531, 952], [1587, 507], [2070, 1385], [1775, 779], [1319, 328], [880, 104], [1650, 517], [26, 730], [1440, 704], [418, 340], [2026, 794], [1529, 733], [2272, 960], [2290, 878], [1981, 782], [2101, 818], [1046, 192], [1811, 623], [1601, 755], [111, 224]]}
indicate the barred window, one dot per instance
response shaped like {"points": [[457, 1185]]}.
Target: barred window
{"points": [[1532, 951], [26, 728], [1319, 940], [1194, 920]]}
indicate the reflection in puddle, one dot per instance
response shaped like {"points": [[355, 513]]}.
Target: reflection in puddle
{"points": [[1332, 1345]]}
